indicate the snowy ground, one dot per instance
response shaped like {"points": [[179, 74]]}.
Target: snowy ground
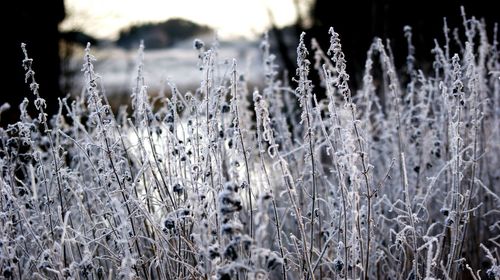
{"points": [[118, 67]]}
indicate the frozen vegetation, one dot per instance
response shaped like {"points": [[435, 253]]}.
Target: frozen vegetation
{"points": [[399, 179]]}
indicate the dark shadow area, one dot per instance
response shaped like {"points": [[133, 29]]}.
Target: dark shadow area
{"points": [[35, 23], [359, 21]]}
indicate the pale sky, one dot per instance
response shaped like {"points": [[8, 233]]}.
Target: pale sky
{"points": [[230, 18]]}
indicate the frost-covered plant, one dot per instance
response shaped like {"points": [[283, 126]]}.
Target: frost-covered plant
{"points": [[227, 182]]}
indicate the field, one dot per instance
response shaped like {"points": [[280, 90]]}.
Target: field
{"points": [[397, 179]]}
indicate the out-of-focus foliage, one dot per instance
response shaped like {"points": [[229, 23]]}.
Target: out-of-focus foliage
{"points": [[160, 35]]}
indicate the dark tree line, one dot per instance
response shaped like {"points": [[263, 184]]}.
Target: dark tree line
{"points": [[160, 35]]}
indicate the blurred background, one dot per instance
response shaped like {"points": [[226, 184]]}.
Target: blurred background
{"points": [[57, 31]]}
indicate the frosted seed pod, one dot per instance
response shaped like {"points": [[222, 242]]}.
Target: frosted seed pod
{"points": [[338, 265], [198, 44]]}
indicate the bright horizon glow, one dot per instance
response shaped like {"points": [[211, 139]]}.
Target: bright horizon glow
{"points": [[230, 18]]}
